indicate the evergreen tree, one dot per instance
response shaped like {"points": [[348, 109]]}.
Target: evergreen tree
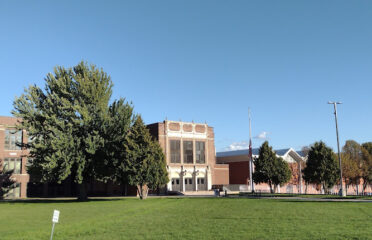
{"points": [[65, 121], [269, 168], [159, 168], [6, 182], [145, 162], [321, 167]]}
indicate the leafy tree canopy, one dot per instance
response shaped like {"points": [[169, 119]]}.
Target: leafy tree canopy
{"points": [[366, 165], [321, 167], [116, 128], [65, 121], [368, 147], [351, 162], [356, 163], [269, 168]]}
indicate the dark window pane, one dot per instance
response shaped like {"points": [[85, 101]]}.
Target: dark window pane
{"points": [[188, 152], [175, 151], [178, 181], [200, 152], [12, 138], [190, 181]]}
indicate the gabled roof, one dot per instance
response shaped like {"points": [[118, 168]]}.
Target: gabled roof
{"points": [[300, 153], [282, 152]]}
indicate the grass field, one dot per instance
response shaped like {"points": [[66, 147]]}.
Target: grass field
{"points": [[187, 218]]}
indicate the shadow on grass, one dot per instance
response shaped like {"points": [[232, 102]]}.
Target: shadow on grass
{"points": [[51, 200]]}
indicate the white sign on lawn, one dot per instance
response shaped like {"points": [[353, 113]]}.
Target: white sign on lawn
{"points": [[55, 216]]}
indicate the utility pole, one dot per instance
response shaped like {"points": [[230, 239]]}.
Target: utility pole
{"points": [[300, 173], [250, 154], [342, 192]]}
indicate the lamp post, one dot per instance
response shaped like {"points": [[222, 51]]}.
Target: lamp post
{"points": [[342, 192]]}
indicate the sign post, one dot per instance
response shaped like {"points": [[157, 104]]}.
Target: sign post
{"points": [[54, 220]]}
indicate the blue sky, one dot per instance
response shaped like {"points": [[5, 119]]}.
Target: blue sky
{"points": [[208, 61]]}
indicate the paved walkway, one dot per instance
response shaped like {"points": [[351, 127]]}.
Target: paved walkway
{"points": [[310, 199], [327, 199]]}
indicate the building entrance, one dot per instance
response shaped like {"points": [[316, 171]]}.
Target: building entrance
{"points": [[202, 186], [188, 184], [176, 184]]}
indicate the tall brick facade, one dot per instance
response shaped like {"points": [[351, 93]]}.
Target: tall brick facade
{"points": [[12, 157], [190, 155]]}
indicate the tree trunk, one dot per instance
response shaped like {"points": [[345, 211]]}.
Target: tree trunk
{"points": [[346, 187], [364, 186], [271, 187], [142, 191], [82, 192]]}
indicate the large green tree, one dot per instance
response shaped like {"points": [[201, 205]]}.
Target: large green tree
{"points": [[116, 128], [282, 172], [270, 169], [321, 167], [65, 121], [145, 165]]}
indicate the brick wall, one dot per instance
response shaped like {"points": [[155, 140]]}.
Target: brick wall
{"points": [[23, 177], [239, 172]]}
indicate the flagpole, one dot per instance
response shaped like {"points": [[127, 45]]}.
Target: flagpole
{"points": [[250, 153]]}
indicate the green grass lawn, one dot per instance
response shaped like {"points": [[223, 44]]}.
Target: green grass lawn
{"points": [[187, 218]]}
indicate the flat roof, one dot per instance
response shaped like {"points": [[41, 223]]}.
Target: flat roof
{"points": [[255, 151]]}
